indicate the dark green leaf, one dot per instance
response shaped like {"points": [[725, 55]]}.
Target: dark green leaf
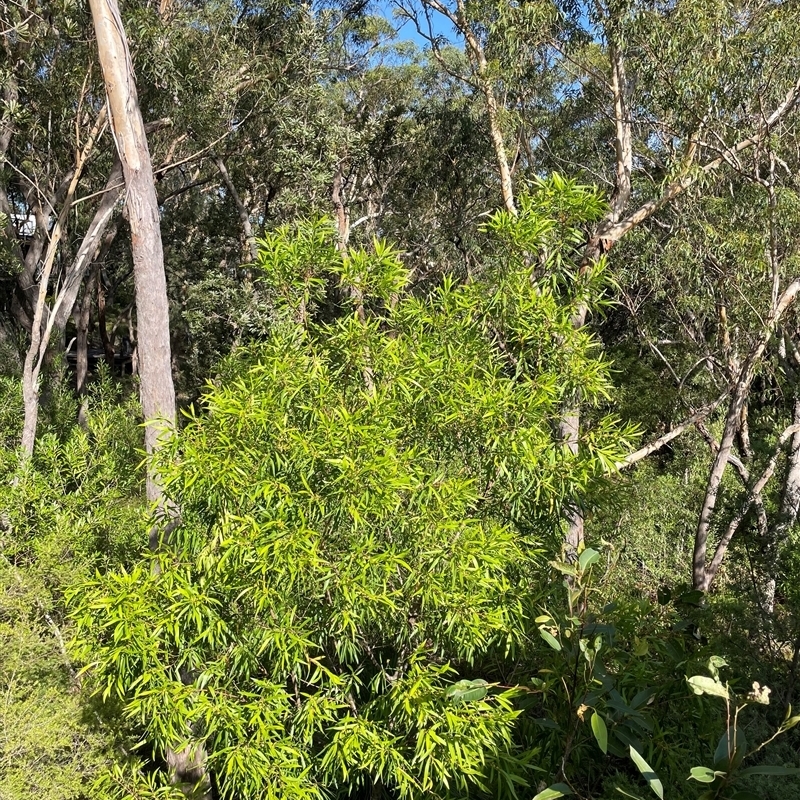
{"points": [[732, 743], [554, 791], [765, 770]]}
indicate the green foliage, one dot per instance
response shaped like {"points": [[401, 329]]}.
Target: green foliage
{"points": [[362, 505], [732, 748], [73, 509]]}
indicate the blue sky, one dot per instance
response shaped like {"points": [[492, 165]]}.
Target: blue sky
{"points": [[408, 32]]}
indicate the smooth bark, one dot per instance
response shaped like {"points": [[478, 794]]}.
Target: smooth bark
{"points": [[157, 391], [753, 494], [664, 440], [483, 78], [40, 331], [251, 248]]}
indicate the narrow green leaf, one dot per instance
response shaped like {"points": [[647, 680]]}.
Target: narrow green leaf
{"points": [[550, 639], [764, 770], [647, 773], [790, 723]]}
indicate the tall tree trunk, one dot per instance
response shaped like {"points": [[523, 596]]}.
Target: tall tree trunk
{"points": [[82, 315], [157, 390], [787, 514], [250, 246], [480, 68], [92, 241], [102, 325], [82, 318], [42, 323], [570, 425]]}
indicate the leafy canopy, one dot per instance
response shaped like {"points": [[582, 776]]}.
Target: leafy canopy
{"points": [[363, 503]]}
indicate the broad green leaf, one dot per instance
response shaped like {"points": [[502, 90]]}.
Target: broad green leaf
{"points": [[554, 791], [550, 639], [647, 773], [588, 557], [467, 691], [690, 598], [701, 684], [600, 731], [703, 774], [727, 748], [640, 647]]}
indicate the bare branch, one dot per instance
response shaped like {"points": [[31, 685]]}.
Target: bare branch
{"points": [[656, 445]]}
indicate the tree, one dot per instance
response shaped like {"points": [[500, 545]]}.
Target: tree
{"points": [[155, 362]]}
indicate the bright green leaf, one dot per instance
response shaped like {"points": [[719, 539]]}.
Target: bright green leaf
{"points": [[647, 773]]}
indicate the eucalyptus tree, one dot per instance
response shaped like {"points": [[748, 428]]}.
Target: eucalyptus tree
{"points": [[155, 363], [709, 124]]}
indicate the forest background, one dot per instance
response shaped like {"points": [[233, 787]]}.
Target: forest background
{"points": [[399, 399]]}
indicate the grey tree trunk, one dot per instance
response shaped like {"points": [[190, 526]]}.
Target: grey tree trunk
{"points": [[82, 317], [157, 391], [250, 246]]}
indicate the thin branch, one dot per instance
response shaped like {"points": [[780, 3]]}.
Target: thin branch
{"points": [[613, 233], [645, 451], [752, 496]]}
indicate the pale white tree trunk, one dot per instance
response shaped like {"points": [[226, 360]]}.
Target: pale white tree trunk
{"points": [[702, 575], [42, 323], [157, 391]]}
